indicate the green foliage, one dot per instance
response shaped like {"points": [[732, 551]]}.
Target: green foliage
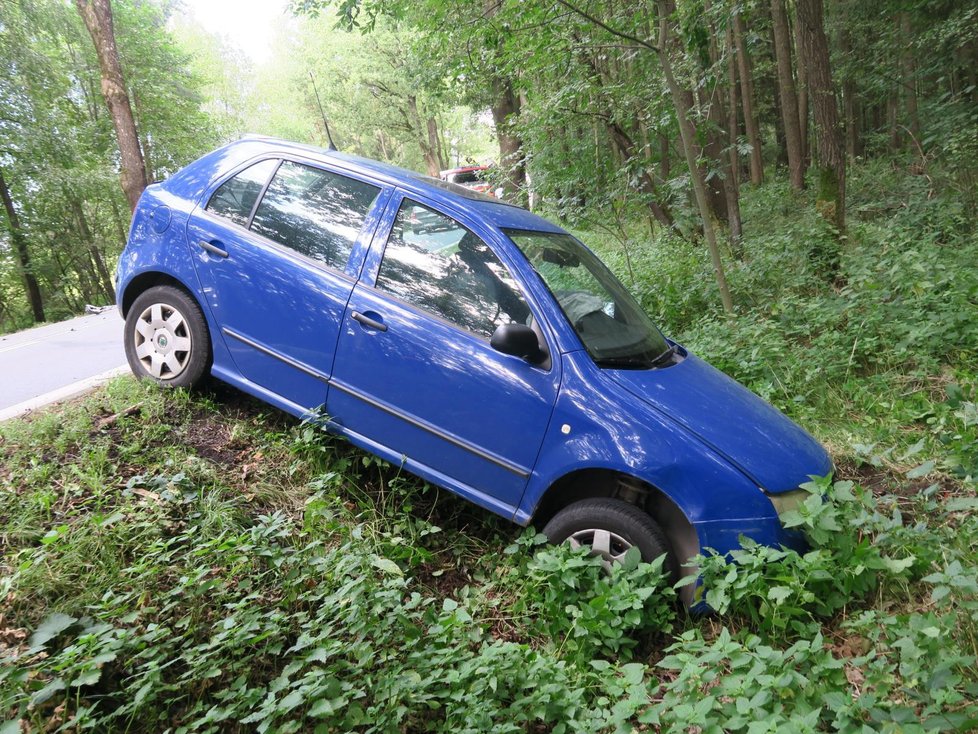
{"points": [[569, 598]]}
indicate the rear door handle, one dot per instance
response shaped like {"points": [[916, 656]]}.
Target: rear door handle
{"points": [[369, 322], [212, 248]]}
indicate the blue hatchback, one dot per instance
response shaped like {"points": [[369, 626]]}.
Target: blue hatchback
{"points": [[470, 341]]}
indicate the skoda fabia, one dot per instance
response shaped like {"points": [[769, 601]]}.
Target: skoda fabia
{"points": [[476, 344]]}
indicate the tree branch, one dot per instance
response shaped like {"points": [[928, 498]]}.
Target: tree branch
{"points": [[612, 31]]}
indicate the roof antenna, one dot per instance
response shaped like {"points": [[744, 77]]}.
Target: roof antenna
{"points": [[319, 102]]}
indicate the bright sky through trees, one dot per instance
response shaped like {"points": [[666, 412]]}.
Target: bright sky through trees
{"points": [[245, 24]]}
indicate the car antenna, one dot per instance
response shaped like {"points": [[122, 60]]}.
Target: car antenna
{"points": [[321, 112]]}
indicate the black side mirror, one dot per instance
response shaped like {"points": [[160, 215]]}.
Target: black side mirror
{"points": [[519, 340]]}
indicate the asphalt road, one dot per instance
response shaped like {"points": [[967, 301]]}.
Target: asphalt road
{"points": [[53, 362]]}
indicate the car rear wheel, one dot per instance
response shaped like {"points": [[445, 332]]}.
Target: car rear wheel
{"points": [[166, 338], [610, 527]]}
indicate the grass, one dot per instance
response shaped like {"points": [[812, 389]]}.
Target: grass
{"points": [[199, 562]]}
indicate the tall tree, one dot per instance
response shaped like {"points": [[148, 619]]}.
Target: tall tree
{"points": [[505, 109], [97, 15], [789, 100], [683, 99], [830, 195], [733, 157], [802, 92], [23, 255], [747, 99], [908, 70]]}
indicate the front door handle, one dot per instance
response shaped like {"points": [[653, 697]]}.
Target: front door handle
{"points": [[212, 248], [369, 322]]}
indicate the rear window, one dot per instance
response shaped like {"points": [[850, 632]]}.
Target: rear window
{"points": [[236, 197]]}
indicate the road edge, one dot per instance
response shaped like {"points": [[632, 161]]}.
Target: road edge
{"points": [[62, 393]]}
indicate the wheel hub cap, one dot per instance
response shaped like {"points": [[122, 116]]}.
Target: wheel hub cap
{"points": [[163, 341], [610, 546]]}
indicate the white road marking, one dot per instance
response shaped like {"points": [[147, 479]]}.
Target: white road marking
{"points": [[18, 346], [62, 393]]}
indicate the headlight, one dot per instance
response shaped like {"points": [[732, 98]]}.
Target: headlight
{"points": [[789, 501]]}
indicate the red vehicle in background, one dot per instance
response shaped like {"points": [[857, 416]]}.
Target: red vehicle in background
{"points": [[471, 177]]}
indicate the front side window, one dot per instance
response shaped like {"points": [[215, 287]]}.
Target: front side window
{"points": [[435, 263], [236, 197], [613, 327], [317, 213]]}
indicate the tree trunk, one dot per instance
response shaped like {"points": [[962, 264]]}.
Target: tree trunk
{"points": [[892, 121], [97, 15], [789, 100], [850, 103], [713, 151], [733, 157], [830, 197], [434, 142], [646, 184], [422, 133], [664, 157], [504, 106], [104, 279], [682, 99], [747, 98], [802, 92], [120, 228], [22, 254], [907, 68]]}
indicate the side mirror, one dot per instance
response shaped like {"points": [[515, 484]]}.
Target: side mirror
{"points": [[519, 340]]}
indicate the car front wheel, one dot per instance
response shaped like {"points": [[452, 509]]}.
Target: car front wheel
{"points": [[166, 338], [610, 527]]}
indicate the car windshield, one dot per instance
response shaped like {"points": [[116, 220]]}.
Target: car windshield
{"points": [[613, 327]]}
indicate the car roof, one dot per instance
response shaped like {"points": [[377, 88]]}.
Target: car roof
{"points": [[500, 213]]}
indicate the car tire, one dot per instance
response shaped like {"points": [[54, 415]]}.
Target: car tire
{"points": [[167, 339], [603, 521]]}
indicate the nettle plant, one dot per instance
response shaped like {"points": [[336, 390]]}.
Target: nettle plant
{"points": [[855, 548]]}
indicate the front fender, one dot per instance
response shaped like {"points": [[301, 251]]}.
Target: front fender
{"points": [[597, 424]]}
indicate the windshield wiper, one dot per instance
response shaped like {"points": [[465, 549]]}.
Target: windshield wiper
{"points": [[625, 362], [636, 362], [664, 357]]}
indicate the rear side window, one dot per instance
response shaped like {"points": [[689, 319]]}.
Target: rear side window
{"points": [[317, 213], [236, 197], [437, 264]]}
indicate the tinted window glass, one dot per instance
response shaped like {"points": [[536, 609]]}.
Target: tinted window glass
{"points": [[236, 197], [314, 212], [433, 262]]}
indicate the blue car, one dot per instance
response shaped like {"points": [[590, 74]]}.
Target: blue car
{"points": [[468, 340]]}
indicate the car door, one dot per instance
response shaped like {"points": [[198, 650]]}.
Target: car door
{"points": [[415, 375], [278, 247]]}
